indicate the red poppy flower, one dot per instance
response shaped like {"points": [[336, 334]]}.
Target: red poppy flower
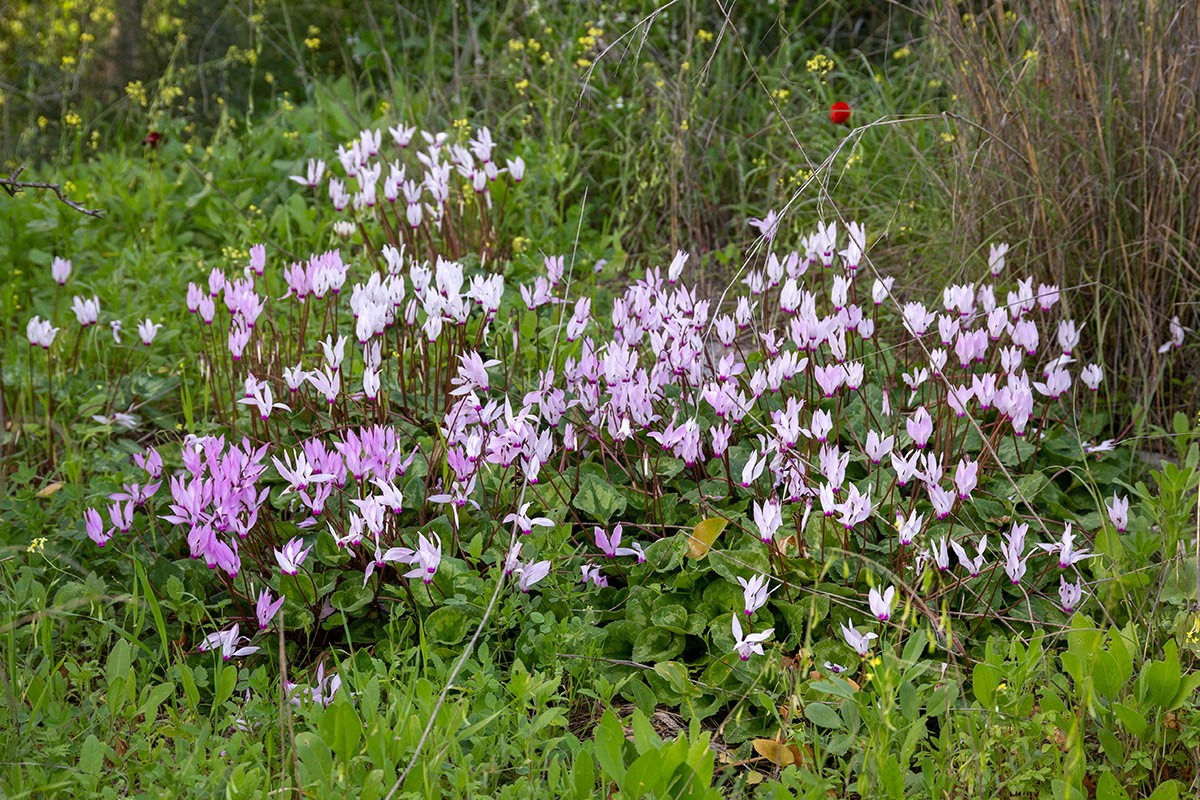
{"points": [[839, 113]]}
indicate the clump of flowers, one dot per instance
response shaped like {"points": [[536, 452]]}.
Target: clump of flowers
{"points": [[418, 410]]}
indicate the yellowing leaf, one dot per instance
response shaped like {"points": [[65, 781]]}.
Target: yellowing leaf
{"points": [[702, 538], [774, 752], [753, 778], [49, 489]]}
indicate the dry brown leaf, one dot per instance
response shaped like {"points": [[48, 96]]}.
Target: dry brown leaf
{"points": [[774, 752], [49, 489]]}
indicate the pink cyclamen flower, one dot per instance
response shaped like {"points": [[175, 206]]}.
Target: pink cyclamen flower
{"points": [[292, 556], [530, 574], [769, 518], [95, 527], [755, 592], [1067, 554], [147, 330], [861, 642], [966, 478], [745, 646], [227, 642], [609, 544], [920, 426], [881, 603], [266, 610], [60, 270], [427, 558], [1070, 594], [1118, 512]]}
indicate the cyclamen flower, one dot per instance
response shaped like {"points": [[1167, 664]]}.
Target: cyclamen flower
{"points": [[965, 478], [609, 545], [1067, 555], [745, 646], [920, 427], [87, 312], [60, 270], [266, 610], [996, 255], [909, 528], [95, 527], [530, 574], [312, 177], [227, 642], [1070, 594], [40, 332], [292, 556], [526, 523], [1118, 512], [768, 517], [881, 604], [861, 642], [767, 226], [427, 558], [974, 565], [147, 330], [755, 592], [591, 574]]}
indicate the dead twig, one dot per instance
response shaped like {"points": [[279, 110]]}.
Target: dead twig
{"points": [[12, 186]]}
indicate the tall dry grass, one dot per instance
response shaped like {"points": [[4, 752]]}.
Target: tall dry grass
{"points": [[1086, 155]]}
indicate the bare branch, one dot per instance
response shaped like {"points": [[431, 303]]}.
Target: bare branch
{"points": [[12, 186]]}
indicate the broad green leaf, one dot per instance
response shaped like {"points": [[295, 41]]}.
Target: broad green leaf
{"points": [[985, 679], [91, 755], [656, 644], [1107, 675], [447, 625], [341, 729], [226, 683], [609, 740], [1133, 721], [702, 538], [598, 499], [315, 757], [822, 714], [892, 777], [583, 775], [673, 617]]}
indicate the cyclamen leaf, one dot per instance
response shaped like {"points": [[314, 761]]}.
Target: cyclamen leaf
{"points": [[599, 499]]}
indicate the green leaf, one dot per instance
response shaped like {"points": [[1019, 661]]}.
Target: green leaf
{"points": [[314, 756], [1133, 721], [350, 596], [655, 644], [583, 775], [447, 625], [672, 617], [609, 740], [822, 714], [985, 679], [341, 728], [226, 683], [598, 499], [1107, 675], [909, 703], [1163, 677], [1167, 790], [892, 778], [1108, 788], [91, 755]]}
